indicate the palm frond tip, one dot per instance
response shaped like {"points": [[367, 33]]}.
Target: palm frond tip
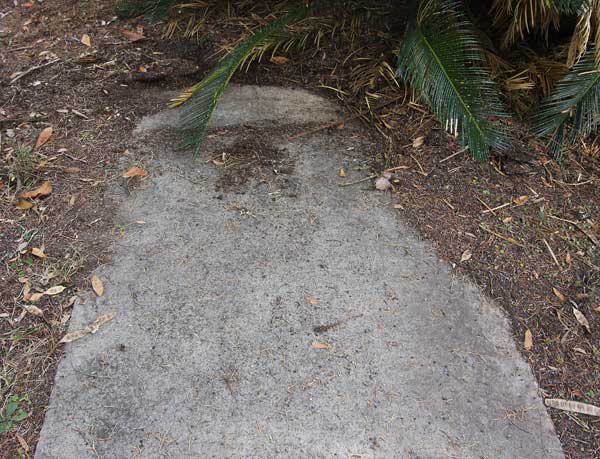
{"points": [[572, 110], [442, 60], [200, 101]]}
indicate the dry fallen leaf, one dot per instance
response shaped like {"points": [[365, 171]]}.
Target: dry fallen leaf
{"points": [[72, 170], [312, 300], [133, 36], [342, 173], [43, 137], [383, 184], [43, 190], [55, 290], [24, 205], [90, 329], [135, 172], [279, 60], [418, 142], [466, 256], [86, 40], [575, 407], [22, 442], [97, 286], [33, 310], [521, 200], [582, 319], [597, 308], [37, 252], [34, 297], [528, 341], [559, 295], [319, 345]]}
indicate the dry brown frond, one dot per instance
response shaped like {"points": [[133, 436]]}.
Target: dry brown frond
{"points": [[519, 18]]}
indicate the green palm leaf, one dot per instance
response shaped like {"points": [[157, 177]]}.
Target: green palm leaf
{"points": [[441, 59], [152, 10], [201, 100], [572, 110]]}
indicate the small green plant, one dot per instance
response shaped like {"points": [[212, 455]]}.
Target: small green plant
{"points": [[12, 413], [21, 162]]}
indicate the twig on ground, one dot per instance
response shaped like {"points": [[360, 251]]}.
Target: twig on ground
{"points": [[370, 177], [506, 238], [552, 253], [32, 69], [343, 121], [454, 154]]}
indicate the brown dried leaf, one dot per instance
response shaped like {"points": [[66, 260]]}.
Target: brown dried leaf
{"points": [[24, 205], [33, 310], [43, 190], [575, 407], [72, 170], [466, 256], [135, 172], [279, 60], [597, 308], [528, 341], [22, 442], [43, 137], [132, 36], [559, 295], [521, 200], [319, 345], [312, 300], [86, 40], [37, 252], [35, 297], [97, 286], [582, 319], [342, 172], [418, 142], [90, 329], [55, 290]]}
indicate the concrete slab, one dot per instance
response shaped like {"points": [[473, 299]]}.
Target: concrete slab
{"points": [[284, 316]]}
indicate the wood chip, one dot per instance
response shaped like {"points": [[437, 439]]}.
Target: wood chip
{"points": [[97, 286], [528, 341]]}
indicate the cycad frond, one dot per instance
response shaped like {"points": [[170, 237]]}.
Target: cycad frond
{"points": [[442, 60], [574, 105], [152, 10], [201, 99]]}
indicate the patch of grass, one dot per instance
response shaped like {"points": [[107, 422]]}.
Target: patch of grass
{"points": [[20, 167]]}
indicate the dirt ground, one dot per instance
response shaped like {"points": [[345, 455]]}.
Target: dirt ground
{"points": [[525, 229]]}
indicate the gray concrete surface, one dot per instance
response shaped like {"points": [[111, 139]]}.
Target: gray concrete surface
{"points": [[212, 351]]}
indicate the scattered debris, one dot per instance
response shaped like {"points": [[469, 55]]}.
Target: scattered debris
{"points": [[90, 329]]}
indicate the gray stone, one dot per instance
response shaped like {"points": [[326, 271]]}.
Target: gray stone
{"points": [[284, 316]]}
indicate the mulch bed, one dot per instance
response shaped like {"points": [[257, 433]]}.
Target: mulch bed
{"points": [[524, 228]]}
